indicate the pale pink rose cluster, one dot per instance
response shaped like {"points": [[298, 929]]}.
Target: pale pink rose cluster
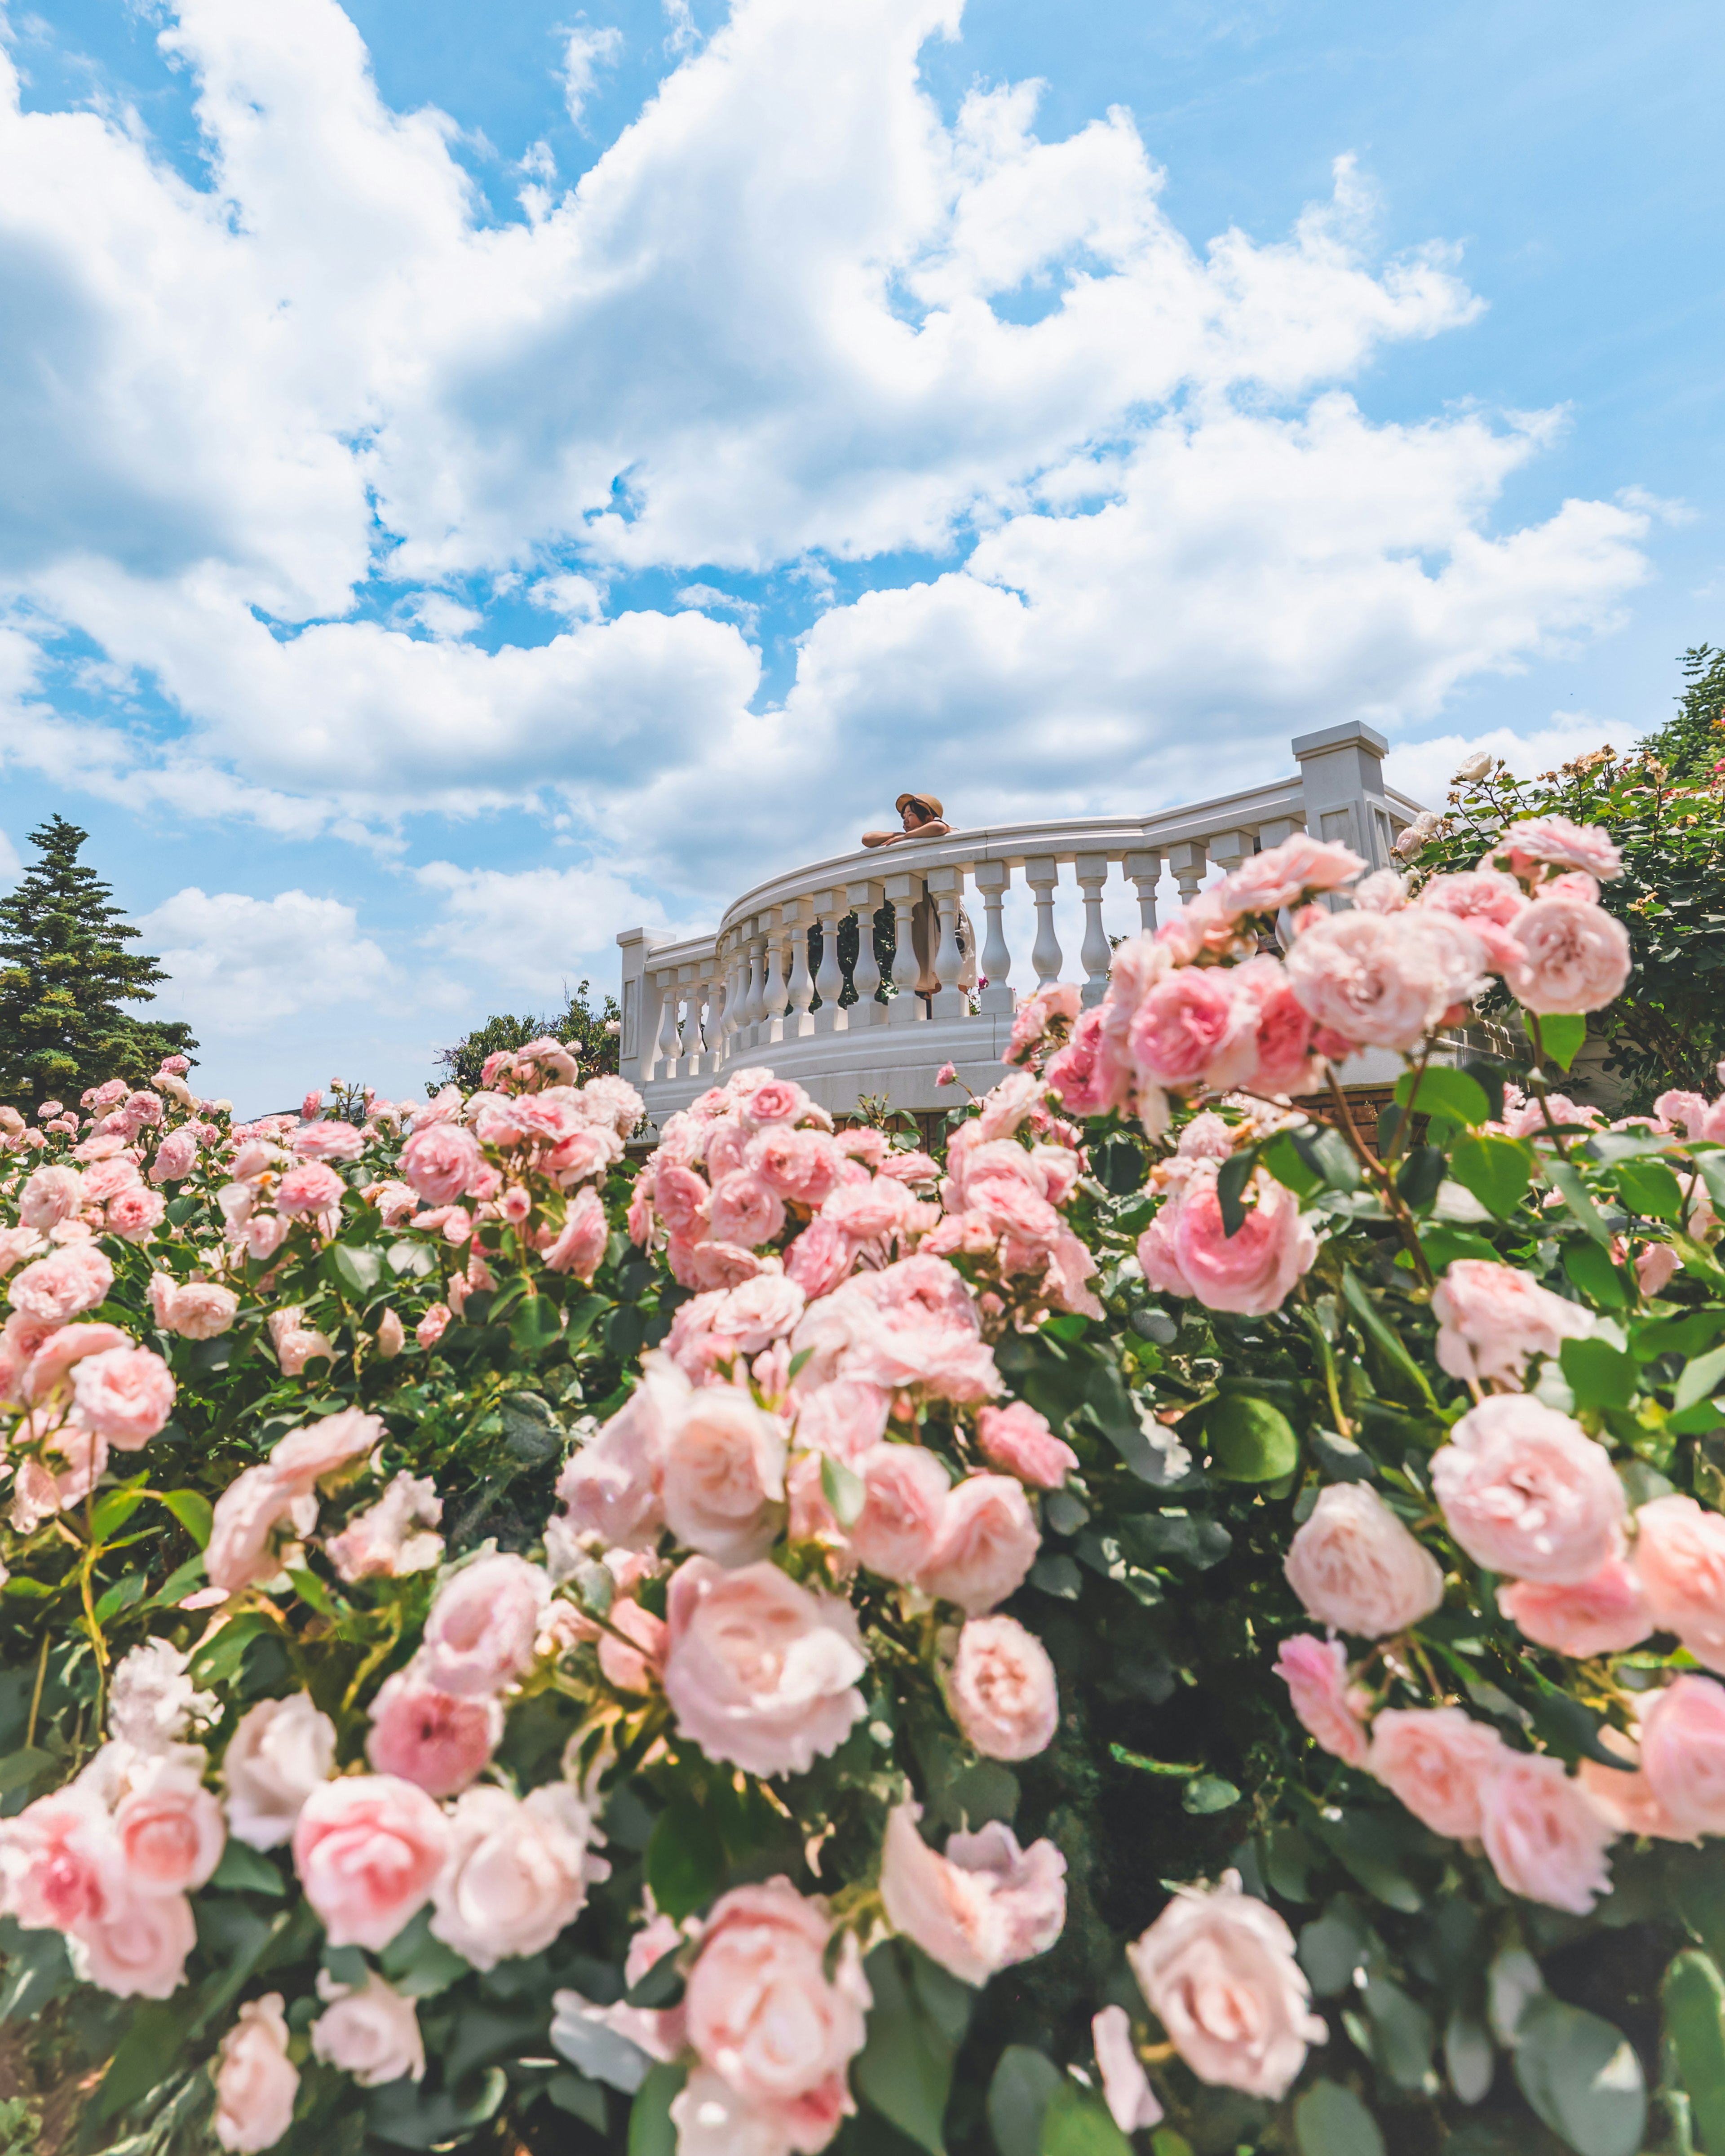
{"points": [[1004, 1198], [979, 1907], [1187, 1250], [1493, 1320], [280, 1494]]}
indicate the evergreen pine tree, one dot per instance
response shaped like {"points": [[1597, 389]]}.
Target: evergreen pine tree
{"points": [[64, 970], [1690, 744]]}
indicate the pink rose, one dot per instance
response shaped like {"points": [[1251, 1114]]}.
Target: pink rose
{"points": [[1525, 1490], [638, 1668], [899, 1526], [371, 2031], [746, 1210], [1283, 1030], [801, 1166], [1316, 1674], [820, 1257], [580, 1245], [1218, 1968], [1126, 2087], [1089, 1073], [1195, 1027], [1563, 954], [610, 1488], [1019, 1441], [254, 1505], [256, 2082], [303, 1457], [1384, 980], [169, 1828], [265, 1235], [311, 1188], [127, 1394], [1281, 874], [329, 1139], [176, 1157], [1546, 1839], [1436, 1761], [381, 1542], [45, 1372], [63, 1284], [845, 1418], [722, 1474], [60, 1861], [1476, 894], [1683, 1754], [681, 1199], [137, 1948], [984, 1905], [435, 1740], [433, 1325], [16, 1244], [1493, 1319], [913, 1322], [1680, 1562], [1656, 1267], [440, 1162], [196, 1310], [1605, 1615], [763, 2014], [1003, 1690], [281, 1751], [987, 1543], [1555, 839], [516, 1872], [479, 1635], [1187, 1250], [1627, 1800], [135, 1213], [761, 1674], [368, 1849], [49, 1196], [1356, 1567]]}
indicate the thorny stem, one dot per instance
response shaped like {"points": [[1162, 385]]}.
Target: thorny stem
{"points": [[1394, 1203], [36, 1696], [1406, 1124]]}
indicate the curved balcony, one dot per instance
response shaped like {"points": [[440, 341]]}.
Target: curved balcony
{"points": [[773, 983]]}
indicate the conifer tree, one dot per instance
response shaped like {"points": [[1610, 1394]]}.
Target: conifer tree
{"points": [[1691, 745], [64, 970]]}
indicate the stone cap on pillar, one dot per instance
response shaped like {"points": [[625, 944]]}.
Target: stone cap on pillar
{"points": [[1341, 778], [1340, 736]]}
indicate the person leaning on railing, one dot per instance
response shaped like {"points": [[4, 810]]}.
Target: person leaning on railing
{"points": [[921, 817]]}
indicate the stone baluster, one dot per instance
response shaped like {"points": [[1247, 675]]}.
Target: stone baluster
{"points": [[665, 1063], [1046, 957], [1188, 861], [772, 1026], [863, 900], [902, 892], [735, 988], [800, 915], [830, 908], [704, 1015], [1227, 849], [994, 963], [1144, 872], [754, 1009], [1090, 871], [946, 887], [1279, 832], [689, 1047]]}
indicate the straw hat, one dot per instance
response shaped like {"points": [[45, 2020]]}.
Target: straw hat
{"points": [[928, 803]]}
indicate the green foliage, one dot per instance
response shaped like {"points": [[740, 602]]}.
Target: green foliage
{"points": [[65, 972], [1691, 745], [577, 1025]]}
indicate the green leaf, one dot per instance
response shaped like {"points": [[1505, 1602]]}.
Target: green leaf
{"points": [[22, 1589], [844, 1489], [1699, 1379], [1443, 1243], [534, 1324], [148, 2053], [650, 2130], [36, 1969], [125, 1591], [1024, 2081], [1442, 1091], [1561, 1035], [1469, 2058], [179, 1583], [418, 1964], [1281, 1158], [358, 1269], [1583, 2077], [403, 2114], [1694, 1997], [1249, 1439], [685, 1860], [219, 1660], [1370, 1846], [1564, 1176], [113, 1512], [1116, 1416], [1402, 2033], [19, 1769], [1648, 1188], [1377, 1327], [1333, 1947], [1236, 1173], [1589, 1266], [243, 1871], [1206, 1794], [1496, 1170], [1330, 2120], [905, 2069], [1075, 2124], [581, 2098], [1330, 1158], [192, 1510], [1600, 1375]]}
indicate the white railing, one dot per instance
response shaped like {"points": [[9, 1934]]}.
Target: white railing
{"points": [[753, 992]]}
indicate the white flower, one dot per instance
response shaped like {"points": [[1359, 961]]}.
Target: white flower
{"points": [[152, 1703]]}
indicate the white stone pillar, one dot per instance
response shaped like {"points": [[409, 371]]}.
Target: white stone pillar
{"points": [[1046, 957], [946, 887], [830, 908], [863, 899], [1342, 780], [772, 995], [1143, 871], [800, 918], [1090, 872], [664, 1062], [1188, 861], [902, 892], [995, 963]]}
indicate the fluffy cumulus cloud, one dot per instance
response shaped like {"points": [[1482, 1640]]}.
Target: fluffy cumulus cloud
{"points": [[537, 932], [240, 965], [792, 317]]}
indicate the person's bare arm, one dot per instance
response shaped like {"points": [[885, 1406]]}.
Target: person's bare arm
{"points": [[880, 838]]}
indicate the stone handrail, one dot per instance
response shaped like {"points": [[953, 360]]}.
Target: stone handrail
{"points": [[692, 1010]]}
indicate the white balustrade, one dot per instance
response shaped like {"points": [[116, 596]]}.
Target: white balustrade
{"points": [[696, 1010]]}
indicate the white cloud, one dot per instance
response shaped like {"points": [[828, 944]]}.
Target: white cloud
{"points": [[584, 52], [532, 931], [239, 965], [1426, 769], [11, 866]]}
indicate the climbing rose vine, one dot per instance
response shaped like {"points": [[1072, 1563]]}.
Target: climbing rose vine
{"points": [[1167, 1621]]}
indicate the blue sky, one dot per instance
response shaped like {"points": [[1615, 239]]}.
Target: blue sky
{"points": [[472, 480]]}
